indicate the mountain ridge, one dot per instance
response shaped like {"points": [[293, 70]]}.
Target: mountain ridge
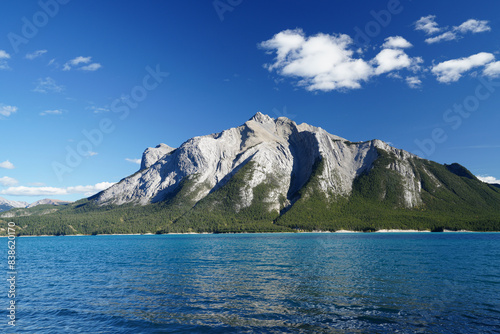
{"points": [[273, 175]]}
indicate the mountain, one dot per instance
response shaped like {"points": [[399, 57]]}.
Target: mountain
{"points": [[47, 201], [275, 175], [7, 205], [20, 208], [279, 149]]}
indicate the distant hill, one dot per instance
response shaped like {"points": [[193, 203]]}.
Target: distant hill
{"points": [[6, 205]]}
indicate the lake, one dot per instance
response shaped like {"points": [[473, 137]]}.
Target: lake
{"points": [[257, 283]]}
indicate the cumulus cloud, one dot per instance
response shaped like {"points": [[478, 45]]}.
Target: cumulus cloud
{"points": [[135, 161], [35, 54], [389, 60], [452, 70], [396, 42], [51, 112], [3, 60], [428, 25], [7, 165], [492, 69], [327, 62], [8, 181], [489, 179], [53, 191], [48, 85], [6, 111], [81, 61]]}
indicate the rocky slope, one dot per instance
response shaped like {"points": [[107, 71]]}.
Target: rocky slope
{"points": [[6, 205], [283, 154]]}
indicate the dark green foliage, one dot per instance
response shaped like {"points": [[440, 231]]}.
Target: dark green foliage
{"points": [[453, 199]]}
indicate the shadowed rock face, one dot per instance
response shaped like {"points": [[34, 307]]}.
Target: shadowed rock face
{"points": [[283, 154]]}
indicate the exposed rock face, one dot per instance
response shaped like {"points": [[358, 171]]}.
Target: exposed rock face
{"points": [[283, 153], [6, 205], [152, 155], [48, 201]]}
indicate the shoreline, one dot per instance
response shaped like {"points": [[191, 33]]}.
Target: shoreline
{"points": [[299, 232]]}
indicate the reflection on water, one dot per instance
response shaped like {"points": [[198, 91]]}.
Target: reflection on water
{"points": [[385, 283]]}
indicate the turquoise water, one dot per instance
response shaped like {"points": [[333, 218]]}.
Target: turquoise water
{"points": [[258, 283]]}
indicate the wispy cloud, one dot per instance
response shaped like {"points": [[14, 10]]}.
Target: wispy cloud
{"points": [[473, 26], [6, 111], [135, 161], [98, 110], [91, 67], [327, 62], [53, 191], [81, 64], [8, 181], [447, 36], [7, 165], [429, 25], [91, 153], [452, 70], [413, 82], [52, 112], [35, 54], [3, 60], [48, 85]]}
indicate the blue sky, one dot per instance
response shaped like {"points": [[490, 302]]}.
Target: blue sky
{"points": [[86, 86]]}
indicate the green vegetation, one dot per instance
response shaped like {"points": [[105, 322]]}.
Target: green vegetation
{"points": [[452, 198]]}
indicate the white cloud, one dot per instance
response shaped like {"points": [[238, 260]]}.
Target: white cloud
{"points": [[396, 42], [489, 179], [51, 112], [35, 54], [447, 36], [327, 62], [135, 161], [98, 110], [48, 85], [428, 25], [91, 67], [78, 61], [413, 82], [492, 69], [4, 55], [473, 26], [389, 60], [6, 111], [322, 62], [8, 181], [91, 153], [452, 70], [7, 165], [3, 60], [53, 191]]}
